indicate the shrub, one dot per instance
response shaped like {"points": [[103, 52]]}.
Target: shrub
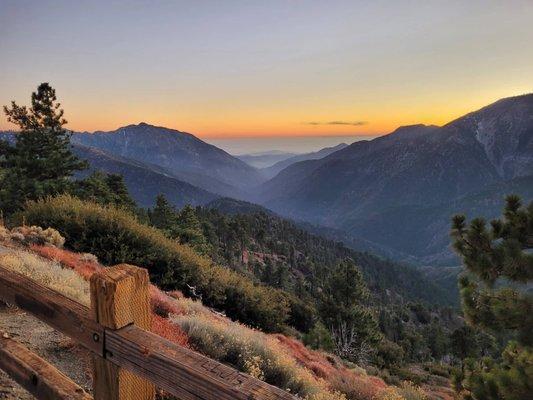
{"points": [[388, 354], [390, 394], [410, 391], [84, 264], [4, 233], [319, 338], [38, 235], [32, 235], [407, 391], [116, 236], [49, 274], [252, 352], [164, 328], [358, 387]]}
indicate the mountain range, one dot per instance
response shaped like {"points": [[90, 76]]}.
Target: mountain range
{"points": [[180, 154], [265, 159], [400, 190], [393, 195], [273, 170]]}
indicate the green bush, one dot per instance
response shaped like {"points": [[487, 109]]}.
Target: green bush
{"points": [[319, 338], [115, 236]]}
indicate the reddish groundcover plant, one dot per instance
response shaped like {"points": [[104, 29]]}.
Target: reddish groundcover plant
{"points": [[162, 305]]}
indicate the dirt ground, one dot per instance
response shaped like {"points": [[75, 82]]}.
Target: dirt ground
{"points": [[54, 347]]}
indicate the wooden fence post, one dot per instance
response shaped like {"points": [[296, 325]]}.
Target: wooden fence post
{"points": [[120, 297]]}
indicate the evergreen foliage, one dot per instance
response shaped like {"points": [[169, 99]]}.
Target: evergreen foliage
{"points": [[342, 307], [497, 260], [41, 162], [275, 252], [163, 215], [104, 189], [115, 236]]}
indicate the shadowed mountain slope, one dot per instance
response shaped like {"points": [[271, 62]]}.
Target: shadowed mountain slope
{"points": [[273, 170], [381, 189], [144, 182], [180, 154]]}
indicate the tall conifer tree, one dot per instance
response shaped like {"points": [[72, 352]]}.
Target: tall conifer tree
{"points": [[497, 260], [41, 162]]}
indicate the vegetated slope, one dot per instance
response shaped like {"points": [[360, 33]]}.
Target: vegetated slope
{"points": [[116, 236], [144, 181], [181, 154], [416, 226], [402, 174], [273, 170], [269, 241], [227, 205], [279, 360]]}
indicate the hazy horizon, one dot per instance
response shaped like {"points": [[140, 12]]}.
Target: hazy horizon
{"points": [[295, 144]]}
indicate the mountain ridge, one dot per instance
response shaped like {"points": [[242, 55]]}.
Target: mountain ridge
{"points": [[417, 166], [181, 154]]}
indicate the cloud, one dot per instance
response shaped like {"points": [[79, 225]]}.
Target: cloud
{"points": [[350, 123]]}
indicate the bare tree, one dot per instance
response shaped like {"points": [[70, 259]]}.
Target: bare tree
{"points": [[349, 346]]}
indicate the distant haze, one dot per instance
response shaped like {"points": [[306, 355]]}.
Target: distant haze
{"points": [[294, 144]]}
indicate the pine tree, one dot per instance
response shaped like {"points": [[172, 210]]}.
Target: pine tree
{"points": [[164, 215], [344, 311], [41, 162], [497, 260], [189, 230], [121, 195], [104, 189]]}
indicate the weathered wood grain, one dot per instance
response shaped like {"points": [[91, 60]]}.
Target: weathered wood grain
{"points": [[119, 297], [61, 313], [34, 374], [182, 372]]}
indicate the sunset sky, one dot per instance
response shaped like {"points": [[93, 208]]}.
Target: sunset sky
{"points": [[222, 69]]}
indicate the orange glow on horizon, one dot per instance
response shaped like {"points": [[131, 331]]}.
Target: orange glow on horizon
{"points": [[374, 117]]}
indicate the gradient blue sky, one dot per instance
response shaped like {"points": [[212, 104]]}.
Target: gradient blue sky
{"points": [[223, 69]]}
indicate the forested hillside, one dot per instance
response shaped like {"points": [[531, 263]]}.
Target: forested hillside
{"points": [[414, 315], [278, 252]]}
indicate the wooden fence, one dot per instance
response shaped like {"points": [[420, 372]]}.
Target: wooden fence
{"points": [[128, 360]]}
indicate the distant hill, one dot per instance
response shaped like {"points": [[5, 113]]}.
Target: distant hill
{"points": [[400, 190], [231, 206], [265, 159], [180, 154], [273, 170], [144, 182]]}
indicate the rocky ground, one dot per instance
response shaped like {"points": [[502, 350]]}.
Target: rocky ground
{"points": [[54, 347]]}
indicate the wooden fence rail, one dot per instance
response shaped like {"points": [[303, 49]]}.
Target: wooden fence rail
{"points": [[126, 355], [32, 372]]}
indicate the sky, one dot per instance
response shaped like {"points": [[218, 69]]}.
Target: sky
{"points": [[266, 69]]}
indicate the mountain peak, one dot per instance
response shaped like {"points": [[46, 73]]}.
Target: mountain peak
{"points": [[411, 131]]}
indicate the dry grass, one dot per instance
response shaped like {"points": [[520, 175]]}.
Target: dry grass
{"points": [[48, 273], [253, 352], [276, 359]]}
